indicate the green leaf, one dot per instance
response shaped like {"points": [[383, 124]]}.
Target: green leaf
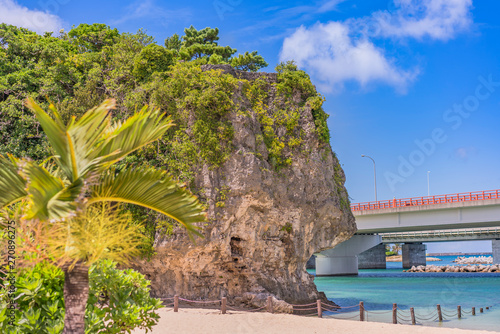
{"points": [[12, 185], [56, 134], [85, 134], [50, 199], [75, 144], [137, 131], [151, 188]]}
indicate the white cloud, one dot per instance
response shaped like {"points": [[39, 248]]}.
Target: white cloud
{"points": [[329, 53], [141, 9], [437, 19], [337, 52], [329, 6], [13, 13]]}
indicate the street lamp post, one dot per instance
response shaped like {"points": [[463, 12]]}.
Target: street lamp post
{"points": [[428, 184], [374, 174]]}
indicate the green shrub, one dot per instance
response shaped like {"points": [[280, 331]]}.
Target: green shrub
{"points": [[291, 80], [40, 302], [118, 301], [120, 298]]}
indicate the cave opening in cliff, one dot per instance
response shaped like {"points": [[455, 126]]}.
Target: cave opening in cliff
{"points": [[236, 247]]}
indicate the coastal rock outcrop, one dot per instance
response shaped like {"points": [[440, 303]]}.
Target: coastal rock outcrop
{"points": [[265, 219]]}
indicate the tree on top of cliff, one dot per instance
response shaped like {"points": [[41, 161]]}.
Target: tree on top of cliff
{"points": [[203, 44], [93, 37], [251, 62]]}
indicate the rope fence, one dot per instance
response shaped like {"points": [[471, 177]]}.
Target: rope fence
{"points": [[399, 315]]}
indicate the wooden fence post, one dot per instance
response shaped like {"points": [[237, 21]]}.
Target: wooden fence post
{"points": [[223, 305], [176, 303], [394, 313], [320, 309], [412, 313], [440, 315], [270, 304], [361, 311], [459, 310], [473, 311]]}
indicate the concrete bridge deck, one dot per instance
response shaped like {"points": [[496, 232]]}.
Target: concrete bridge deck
{"points": [[454, 215], [442, 235]]}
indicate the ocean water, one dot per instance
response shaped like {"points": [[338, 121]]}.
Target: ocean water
{"points": [[380, 288]]}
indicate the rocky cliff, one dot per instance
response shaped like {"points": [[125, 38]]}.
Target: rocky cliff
{"points": [[277, 198]]}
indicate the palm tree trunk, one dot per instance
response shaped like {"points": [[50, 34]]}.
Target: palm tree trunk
{"points": [[76, 293]]}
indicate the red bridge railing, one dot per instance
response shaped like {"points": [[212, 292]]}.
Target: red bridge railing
{"points": [[427, 200]]}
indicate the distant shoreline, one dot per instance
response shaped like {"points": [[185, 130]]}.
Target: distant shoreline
{"points": [[456, 254], [399, 258]]}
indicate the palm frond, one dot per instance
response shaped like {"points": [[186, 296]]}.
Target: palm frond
{"points": [[86, 133], [143, 128], [50, 198], [56, 134], [12, 185], [75, 143], [151, 188]]}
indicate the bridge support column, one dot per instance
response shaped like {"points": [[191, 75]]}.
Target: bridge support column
{"points": [[338, 265], [374, 258], [495, 247], [343, 259], [413, 255]]}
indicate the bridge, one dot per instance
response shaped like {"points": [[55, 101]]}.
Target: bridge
{"points": [[412, 221], [442, 235]]}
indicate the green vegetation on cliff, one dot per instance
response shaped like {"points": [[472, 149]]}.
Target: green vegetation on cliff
{"points": [[281, 131]]}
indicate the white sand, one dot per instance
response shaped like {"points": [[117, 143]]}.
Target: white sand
{"points": [[213, 322]]}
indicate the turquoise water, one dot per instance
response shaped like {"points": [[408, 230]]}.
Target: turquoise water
{"points": [[379, 289]]}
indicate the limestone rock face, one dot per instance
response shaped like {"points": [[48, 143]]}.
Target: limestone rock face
{"points": [[259, 239]]}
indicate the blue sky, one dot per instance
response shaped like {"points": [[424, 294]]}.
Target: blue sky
{"points": [[413, 84]]}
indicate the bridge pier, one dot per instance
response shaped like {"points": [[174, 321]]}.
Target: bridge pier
{"points": [[413, 255], [343, 259], [495, 247], [374, 258], [336, 265]]}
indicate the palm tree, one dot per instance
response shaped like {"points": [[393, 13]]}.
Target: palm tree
{"points": [[80, 175], [396, 248]]}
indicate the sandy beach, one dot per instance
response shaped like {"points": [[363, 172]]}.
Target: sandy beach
{"points": [[213, 322]]}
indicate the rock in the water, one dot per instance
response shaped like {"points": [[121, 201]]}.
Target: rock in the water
{"points": [[474, 260], [270, 222]]}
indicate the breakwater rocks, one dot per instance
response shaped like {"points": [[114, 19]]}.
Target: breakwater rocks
{"points": [[455, 269], [474, 260]]}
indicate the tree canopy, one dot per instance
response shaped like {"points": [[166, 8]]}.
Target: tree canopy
{"points": [[79, 69]]}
